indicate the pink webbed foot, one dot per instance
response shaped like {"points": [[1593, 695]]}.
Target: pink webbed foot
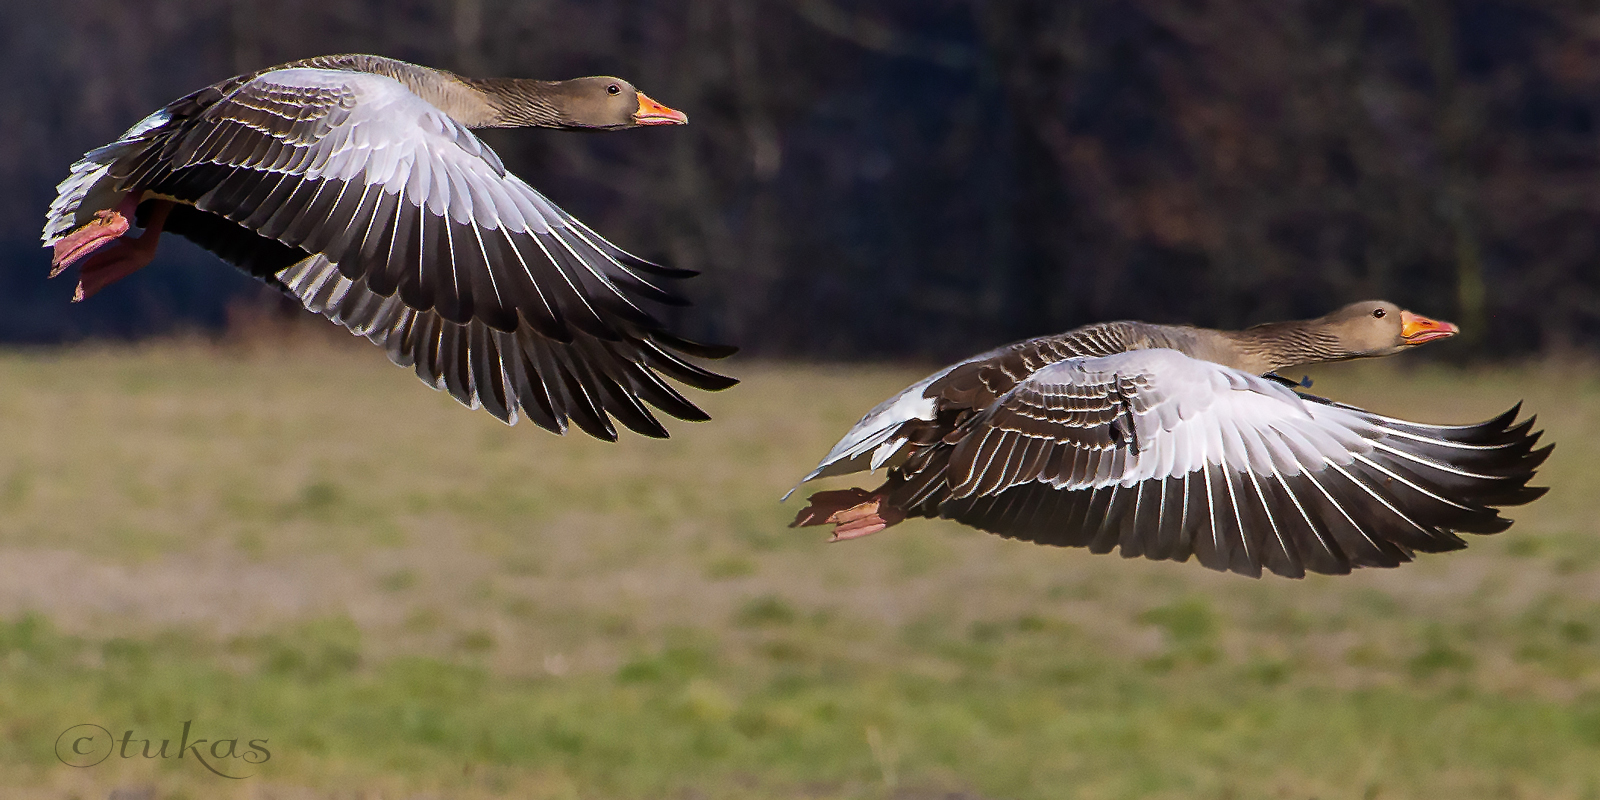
{"points": [[854, 513], [114, 257], [106, 226]]}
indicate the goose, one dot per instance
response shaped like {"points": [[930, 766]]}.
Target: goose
{"points": [[1171, 441], [354, 183]]}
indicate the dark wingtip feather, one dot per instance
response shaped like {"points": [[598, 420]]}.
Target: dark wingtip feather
{"points": [[1524, 495], [691, 414], [1503, 421], [1520, 431], [657, 269], [692, 348], [656, 432], [649, 291], [663, 361], [605, 433], [1492, 525], [1533, 438]]}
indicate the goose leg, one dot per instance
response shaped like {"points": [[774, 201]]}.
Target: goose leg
{"points": [[123, 256], [107, 225], [854, 513]]}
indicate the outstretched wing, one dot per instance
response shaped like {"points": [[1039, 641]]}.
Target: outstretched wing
{"points": [[355, 167], [1166, 456], [881, 436], [586, 380], [378, 210]]}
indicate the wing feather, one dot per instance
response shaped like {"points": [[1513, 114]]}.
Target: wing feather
{"points": [[1164, 456], [347, 167]]}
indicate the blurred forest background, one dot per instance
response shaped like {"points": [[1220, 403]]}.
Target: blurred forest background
{"points": [[928, 177]]}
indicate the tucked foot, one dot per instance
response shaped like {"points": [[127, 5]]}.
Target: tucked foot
{"points": [[121, 257], [854, 513], [106, 226]]}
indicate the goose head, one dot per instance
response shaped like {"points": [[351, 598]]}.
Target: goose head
{"points": [[608, 103], [1381, 328]]}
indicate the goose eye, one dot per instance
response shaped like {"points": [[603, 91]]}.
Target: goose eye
{"points": [[613, 89], [1378, 313]]}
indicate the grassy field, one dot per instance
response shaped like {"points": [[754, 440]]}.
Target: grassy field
{"points": [[299, 543]]}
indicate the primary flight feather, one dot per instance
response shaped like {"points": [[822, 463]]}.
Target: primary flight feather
{"points": [[1172, 441], [355, 184]]}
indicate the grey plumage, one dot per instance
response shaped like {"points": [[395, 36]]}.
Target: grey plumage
{"points": [[1144, 438], [354, 183]]}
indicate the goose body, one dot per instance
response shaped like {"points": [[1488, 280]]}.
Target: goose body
{"points": [[355, 184], [1172, 441]]}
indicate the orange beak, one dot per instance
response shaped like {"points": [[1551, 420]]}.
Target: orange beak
{"points": [[652, 113], [1416, 329]]}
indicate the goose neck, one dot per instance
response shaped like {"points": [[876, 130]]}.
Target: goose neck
{"points": [[1279, 345], [519, 102]]}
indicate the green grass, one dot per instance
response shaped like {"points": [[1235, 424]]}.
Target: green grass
{"points": [[407, 599]]}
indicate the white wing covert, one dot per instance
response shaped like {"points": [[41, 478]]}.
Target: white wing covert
{"points": [[1166, 456], [378, 210]]}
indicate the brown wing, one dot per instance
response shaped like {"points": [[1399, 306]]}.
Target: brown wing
{"points": [[976, 383]]}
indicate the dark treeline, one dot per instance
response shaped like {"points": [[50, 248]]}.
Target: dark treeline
{"points": [[927, 177]]}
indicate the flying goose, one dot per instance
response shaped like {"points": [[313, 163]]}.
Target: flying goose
{"points": [[354, 183], [1170, 441]]}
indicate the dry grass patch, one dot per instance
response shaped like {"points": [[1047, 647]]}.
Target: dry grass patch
{"points": [[417, 601]]}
